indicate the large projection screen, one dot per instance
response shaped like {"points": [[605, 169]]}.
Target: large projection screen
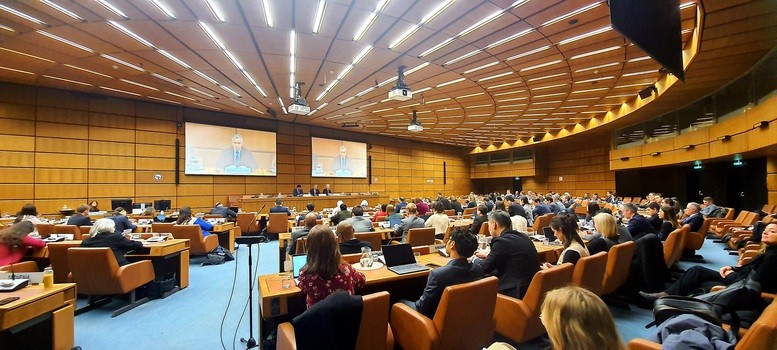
{"points": [[219, 150], [337, 158]]}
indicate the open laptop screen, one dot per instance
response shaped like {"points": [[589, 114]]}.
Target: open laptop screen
{"points": [[549, 234], [395, 221], [297, 262], [398, 254]]}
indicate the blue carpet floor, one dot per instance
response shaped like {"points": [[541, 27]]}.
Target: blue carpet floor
{"points": [[212, 313]]}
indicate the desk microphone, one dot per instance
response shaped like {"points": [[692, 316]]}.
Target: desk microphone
{"points": [[248, 229]]}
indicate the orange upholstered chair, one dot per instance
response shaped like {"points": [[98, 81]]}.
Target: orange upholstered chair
{"points": [[162, 227], [589, 272], [673, 247], [519, 319], [244, 221], [198, 245], [373, 237], [374, 332], [464, 319], [68, 230], [44, 230], [96, 273], [618, 263], [58, 259], [278, 222], [420, 236], [22, 266]]}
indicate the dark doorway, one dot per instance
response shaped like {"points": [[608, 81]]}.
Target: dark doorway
{"points": [[517, 185]]}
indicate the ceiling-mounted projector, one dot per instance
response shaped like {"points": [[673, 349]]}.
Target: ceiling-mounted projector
{"points": [[298, 104], [415, 125], [400, 92]]}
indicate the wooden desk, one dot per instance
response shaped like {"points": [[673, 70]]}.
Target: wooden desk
{"points": [[41, 318], [170, 256], [226, 234], [321, 202]]}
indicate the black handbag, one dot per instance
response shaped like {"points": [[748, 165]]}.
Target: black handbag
{"points": [[668, 307], [736, 296]]}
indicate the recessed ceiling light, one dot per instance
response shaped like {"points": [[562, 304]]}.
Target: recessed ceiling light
{"points": [[201, 92], [585, 35], [112, 8], [546, 77], [139, 84], [403, 37], [369, 20], [437, 47], [61, 9], [471, 95], [174, 59], [608, 49], [541, 65], [117, 90], [527, 53], [450, 82], [205, 76], [594, 79], [638, 73], [548, 87], [21, 14], [216, 10], [17, 70], [207, 106], [597, 67], [438, 100], [163, 100], [122, 62], [319, 16], [27, 55], [227, 89], [503, 85], [509, 38], [164, 9], [7, 28], [130, 33], [63, 40], [571, 14], [88, 71]]}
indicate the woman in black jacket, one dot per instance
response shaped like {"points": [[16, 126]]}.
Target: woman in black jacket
{"points": [[104, 234]]}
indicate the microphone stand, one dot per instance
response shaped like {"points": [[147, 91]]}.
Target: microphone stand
{"points": [[248, 229], [249, 240]]}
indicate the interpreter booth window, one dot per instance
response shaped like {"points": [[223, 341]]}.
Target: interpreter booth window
{"points": [[630, 136], [500, 158], [734, 98], [523, 156], [481, 159], [697, 115], [765, 79], [662, 127]]}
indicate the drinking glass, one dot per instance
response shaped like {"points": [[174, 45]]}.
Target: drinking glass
{"points": [[286, 281]]}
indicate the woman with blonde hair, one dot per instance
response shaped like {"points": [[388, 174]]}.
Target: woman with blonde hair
{"points": [[575, 319], [326, 272]]}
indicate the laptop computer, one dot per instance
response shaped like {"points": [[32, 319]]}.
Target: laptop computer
{"points": [[395, 221], [297, 262], [400, 259], [549, 234]]}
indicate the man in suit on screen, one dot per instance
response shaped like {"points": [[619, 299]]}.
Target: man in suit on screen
{"points": [[236, 156]]}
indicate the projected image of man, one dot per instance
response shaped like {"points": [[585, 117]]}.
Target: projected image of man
{"points": [[237, 159], [342, 165]]}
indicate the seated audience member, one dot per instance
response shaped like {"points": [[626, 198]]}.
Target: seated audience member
{"points": [[14, 241], [104, 234], [607, 234], [298, 191], [358, 221], [439, 220], [220, 209], [480, 218], [459, 270], [653, 217], [309, 208], [526, 204], [310, 222], [392, 214], [565, 228], [81, 217], [456, 205], [540, 208], [709, 206], [638, 226], [93, 207], [513, 257], [279, 208], [411, 221], [185, 217], [149, 211], [519, 222], [325, 271], [315, 191], [401, 205], [669, 222], [694, 220], [422, 207], [699, 279], [349, 244], [341, 215], [383, 212], [123, 223], [577, 319], [28, 213], [364, 204], [593, 209]]}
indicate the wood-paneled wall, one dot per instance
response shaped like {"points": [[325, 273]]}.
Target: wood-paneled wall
{"points": [[65, 148], [578, 168]]}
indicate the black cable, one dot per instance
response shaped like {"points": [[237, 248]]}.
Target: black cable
{"points": [[229, 303]]}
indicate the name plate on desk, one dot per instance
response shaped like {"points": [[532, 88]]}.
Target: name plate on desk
{"points": [[34, 277]]}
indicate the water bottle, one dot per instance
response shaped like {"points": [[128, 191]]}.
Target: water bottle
{"points": [[366, 259]]}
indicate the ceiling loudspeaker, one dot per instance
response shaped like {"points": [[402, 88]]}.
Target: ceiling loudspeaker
{"points": [[647, 92], [536, 138]]}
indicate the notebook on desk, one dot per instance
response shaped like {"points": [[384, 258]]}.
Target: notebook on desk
{"points": [[297, 262], [400, 259]]}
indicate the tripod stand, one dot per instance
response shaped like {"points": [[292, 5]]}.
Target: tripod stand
{"points": [[249, 240]]}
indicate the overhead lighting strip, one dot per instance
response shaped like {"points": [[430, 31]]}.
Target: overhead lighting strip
{"points": [[527, 53], [318, 109], [597, 67], [174, 59], [171, 81], [541, 65], [117, 90], [138, 84], [163, 100], [594, 79], [22, 15], [268, 13], [509, 38], [27, 55], [61, 9], [585, 35], [292, 62], [216, 10], [131, 34], [164, 9], [7, 28], [88, 71], [546, 77], [370, 20], [426, 19], [345, 71], [179, 95], [201, 92], [608, 49], [495, 76], [122, 62], [205, 27], [63, 40], [319, 18], [67, 80], [481, 67], [451, 82], [112, 8], [463, 57], [571, 14]]}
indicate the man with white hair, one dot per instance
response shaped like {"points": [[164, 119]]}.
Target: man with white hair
{"points": [[341, 165], [103, 234], [237, 155]]}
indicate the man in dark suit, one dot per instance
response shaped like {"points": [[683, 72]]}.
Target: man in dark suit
{"points": [[122, 222], [81, 218], [411, 221], [653, 219], [315, 191], [279, 208], [482, 217], [297, 191], [327, 190], [220, 209], [349, 243], [514, 206], [236, 155], [456, 206], [694, 219], [638, 225], [459, 270], [310, 222], [400, 205], [513, 258], [540, 208]]}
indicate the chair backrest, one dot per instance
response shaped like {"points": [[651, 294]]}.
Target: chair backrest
{"points": [[618, 265], [468, 212], [212, 216], [194, 234], [162, 227], [463, 306], [420, 236], [589, 272], [302, 245], [374, 324], [380, 218], [233, 201], [58, 259], [729, 213], [278, 222], [93, 270], [763, 333], [68, 229], [84, 231], [545, 281], [484, 229], [244, 221], [542, 221], [673, 247], [373, 237], [44, 230], [627, 200], [450, 212], [751, 218]]}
